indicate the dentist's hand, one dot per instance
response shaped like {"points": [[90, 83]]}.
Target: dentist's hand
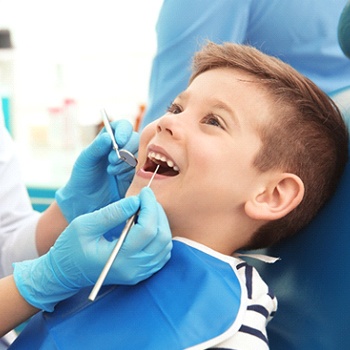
{"points": [[80, 253], [90, 187]]}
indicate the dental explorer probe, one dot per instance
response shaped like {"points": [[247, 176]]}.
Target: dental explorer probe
{"points": [[129, 224], [122, 154]]}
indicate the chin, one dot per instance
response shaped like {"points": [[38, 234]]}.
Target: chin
{"points": [[133, 190]]}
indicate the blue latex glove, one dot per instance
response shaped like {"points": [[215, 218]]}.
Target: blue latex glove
{"points": [[80, 253], [90, 187], [114, 166]]}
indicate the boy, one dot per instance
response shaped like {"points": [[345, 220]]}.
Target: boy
{"points": [[249, 152]]}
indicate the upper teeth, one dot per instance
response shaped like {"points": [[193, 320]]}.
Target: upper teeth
{"points": [[163, 158]]}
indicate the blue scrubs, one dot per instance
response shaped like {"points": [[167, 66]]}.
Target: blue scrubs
{"points": [[301, 33]]}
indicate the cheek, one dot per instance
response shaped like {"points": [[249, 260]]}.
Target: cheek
{"points": [[145, 137], [209, 162], [202, 156]]}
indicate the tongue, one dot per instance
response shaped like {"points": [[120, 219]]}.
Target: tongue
{"points": [[165, 170]]}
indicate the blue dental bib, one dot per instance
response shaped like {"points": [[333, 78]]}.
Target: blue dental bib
{"points": [[195, 301]]}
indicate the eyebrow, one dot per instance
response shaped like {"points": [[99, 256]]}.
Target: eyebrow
{"points": [[217, 104], [182, 96], [223, 106]]}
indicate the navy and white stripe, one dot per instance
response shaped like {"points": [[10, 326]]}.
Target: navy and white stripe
{"points": [[262, 305]]}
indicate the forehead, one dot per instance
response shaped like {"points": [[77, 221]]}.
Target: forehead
{"points": [[234, 89], [229, 78]]}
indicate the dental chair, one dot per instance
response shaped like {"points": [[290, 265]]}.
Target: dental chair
{"points": [[312, 280]]}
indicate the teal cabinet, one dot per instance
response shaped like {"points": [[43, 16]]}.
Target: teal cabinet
{"points": [[41, 198]]}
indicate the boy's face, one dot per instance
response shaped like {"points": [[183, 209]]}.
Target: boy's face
{"points": [[206, 144]]}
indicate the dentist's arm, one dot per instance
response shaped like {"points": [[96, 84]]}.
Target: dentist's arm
{"points": [[50, 225], [90, 187], [13, 307], [79, 255]]}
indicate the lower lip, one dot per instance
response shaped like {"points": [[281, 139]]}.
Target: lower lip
{"points": [[147, 174]]}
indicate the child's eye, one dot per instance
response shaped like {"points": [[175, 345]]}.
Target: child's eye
{"points": [[174, 108], [212, 119]]}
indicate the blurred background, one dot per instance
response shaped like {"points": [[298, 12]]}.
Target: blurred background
{"points": [[60, 63]]}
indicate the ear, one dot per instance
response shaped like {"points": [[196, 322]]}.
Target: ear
{"points": [[278, 198]]}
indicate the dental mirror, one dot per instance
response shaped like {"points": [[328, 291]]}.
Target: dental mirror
{"points": [[122, 154]]}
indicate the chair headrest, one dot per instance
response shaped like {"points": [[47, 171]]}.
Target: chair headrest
{"points": [[344, 30], [342, 98]]}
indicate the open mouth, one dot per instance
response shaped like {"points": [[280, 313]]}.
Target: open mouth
{"points": [[167, 166]]}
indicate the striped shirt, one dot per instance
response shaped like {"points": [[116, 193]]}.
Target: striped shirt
{"points": [[262, 305]]}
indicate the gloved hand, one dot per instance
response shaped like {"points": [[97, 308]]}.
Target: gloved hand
{"points": [[90, 187], [80, 253], [114, 166]]}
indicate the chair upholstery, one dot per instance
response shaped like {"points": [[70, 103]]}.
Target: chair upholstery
{"points": [[312, 280], [344, 30]]}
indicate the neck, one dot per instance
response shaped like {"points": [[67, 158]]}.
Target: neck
{"points": [[224, 235]]}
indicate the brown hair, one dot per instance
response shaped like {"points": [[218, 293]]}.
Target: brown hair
{"points": [[307, 137]]}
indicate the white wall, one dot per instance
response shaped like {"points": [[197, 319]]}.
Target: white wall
{"points": [[102, 51], [102, 48]]}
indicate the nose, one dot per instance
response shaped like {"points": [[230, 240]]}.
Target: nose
{"points": [[162, 127], [170, 125]]}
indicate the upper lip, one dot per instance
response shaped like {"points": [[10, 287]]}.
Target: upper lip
{"points": [[158, 153]]}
